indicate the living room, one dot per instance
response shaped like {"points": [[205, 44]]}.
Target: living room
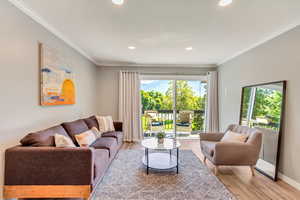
{"points": [[140, 99]]}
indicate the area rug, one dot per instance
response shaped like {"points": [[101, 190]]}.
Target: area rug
{"points": [[126, 179]]}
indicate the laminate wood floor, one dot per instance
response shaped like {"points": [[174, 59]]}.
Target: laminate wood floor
{"points": [[239, 179]]}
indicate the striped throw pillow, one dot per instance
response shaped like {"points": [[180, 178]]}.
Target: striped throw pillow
{"points": [[106, 123]]}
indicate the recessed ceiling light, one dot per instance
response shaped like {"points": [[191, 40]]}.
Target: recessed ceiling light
{"points": [[118, 2], [131, 47], [224, 3], [189, 48]]}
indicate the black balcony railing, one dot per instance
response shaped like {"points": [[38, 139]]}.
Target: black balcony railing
{"points": [[162, 120]]}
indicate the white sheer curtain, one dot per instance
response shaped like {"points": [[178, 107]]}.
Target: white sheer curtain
{"points": [[212, 109], [129, 105]]}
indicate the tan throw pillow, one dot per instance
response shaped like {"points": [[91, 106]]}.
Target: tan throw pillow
{"points": [[63, 141], [96, 132], [86, 138], [106, 123], [234, 137]]}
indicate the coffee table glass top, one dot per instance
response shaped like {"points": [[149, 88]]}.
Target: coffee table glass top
{"points": [[168, 144]]}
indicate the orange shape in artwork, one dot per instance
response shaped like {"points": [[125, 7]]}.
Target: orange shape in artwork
{"points": [[68, 92]]}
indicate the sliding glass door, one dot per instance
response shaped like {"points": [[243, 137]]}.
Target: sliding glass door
{"points": [[157, 107], [174, 106], [190, 108]]}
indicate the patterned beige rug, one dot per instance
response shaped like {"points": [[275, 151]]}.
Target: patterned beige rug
{"points": [[127, 180]]}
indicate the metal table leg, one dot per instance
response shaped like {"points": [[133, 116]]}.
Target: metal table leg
{"points": [[147, 156], [177, 159]]}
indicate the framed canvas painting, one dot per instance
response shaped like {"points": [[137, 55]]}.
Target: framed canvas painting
{"points": [[57, 80]]}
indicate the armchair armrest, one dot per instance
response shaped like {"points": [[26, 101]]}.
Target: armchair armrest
{"points": [[211, 136], [118, 126], [233, 153], [49, 166]]}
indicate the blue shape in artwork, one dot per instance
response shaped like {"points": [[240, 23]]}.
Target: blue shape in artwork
{"points": [[54, 97], [66, 70], [47, 70]]}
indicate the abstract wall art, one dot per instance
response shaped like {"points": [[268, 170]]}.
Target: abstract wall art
{"points": [[57, 80]]}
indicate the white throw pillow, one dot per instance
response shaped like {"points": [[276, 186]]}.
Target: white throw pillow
{"points": [[96, 132], [63, 141], [106, 123], [234, 137], [86, 138]]}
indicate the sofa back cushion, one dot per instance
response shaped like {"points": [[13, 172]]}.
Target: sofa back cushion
{"points": [[91, 122], [74, 128], [43, 137]]}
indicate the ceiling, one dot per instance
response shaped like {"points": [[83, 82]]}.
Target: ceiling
{"points": [[162, 29]]}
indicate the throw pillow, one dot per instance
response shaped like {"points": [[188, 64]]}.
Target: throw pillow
{"points": [[63, 141], [86, 138], [96, 132], [106, 123], [234, 137]]}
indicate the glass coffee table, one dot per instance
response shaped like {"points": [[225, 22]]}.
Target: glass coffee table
{"points": [[159, 159]]}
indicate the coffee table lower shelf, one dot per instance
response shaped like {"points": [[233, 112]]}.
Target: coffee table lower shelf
{"points": [[160, 161]]}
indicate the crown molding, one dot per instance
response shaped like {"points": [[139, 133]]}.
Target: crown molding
{"points": [[198, 65], [29, 12], [272, 36]]}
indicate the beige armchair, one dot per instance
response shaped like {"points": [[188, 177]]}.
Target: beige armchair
{"points": [[232, 153]]}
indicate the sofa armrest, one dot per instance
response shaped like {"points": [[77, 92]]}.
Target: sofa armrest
{"points": [[49, 166], [118, 126], [211, 136], [233, 153]]}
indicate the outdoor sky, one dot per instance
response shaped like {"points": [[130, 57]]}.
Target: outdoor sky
{"points": [[162, 86]]}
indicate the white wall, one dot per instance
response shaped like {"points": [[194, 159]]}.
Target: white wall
{"points": [[278, 59], [19, 85], [108, 90], [108, 83]]}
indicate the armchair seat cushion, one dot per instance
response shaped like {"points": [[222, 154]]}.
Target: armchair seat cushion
{"points": [[108, 143], [208, 147]]}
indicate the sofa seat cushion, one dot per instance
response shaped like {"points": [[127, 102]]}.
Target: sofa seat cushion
{"points": [[43, 137], [115, 134], [91, 122], [108, 143], [101, 162], [74, 128], [208, 147]]}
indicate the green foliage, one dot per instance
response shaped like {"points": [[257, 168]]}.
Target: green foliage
{"points": [[161, 135], [273, 109], [267, 105], [198, 122], [186, 100], [246, 100], [152, 100]]}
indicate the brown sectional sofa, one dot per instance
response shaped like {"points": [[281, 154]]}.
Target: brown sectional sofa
{"points": [[38, 169]]}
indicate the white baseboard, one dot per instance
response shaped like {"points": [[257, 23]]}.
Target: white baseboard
{"points": [[288, 180]]}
